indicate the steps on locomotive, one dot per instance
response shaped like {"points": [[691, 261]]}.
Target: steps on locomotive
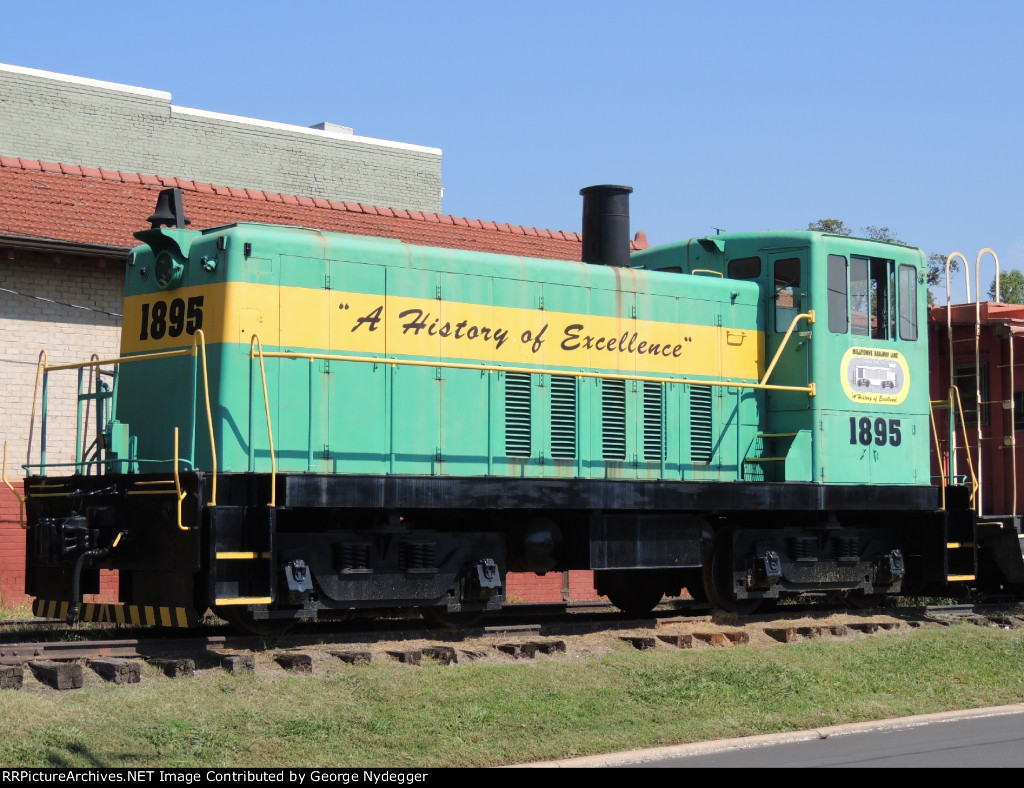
{"points": [[961, 547], [1000, 538]]}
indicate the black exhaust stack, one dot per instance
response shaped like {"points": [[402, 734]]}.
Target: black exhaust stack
{"points": [[606, 225]]}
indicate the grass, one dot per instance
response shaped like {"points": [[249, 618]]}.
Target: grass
{"points": [[392, 715], [14, 612]]}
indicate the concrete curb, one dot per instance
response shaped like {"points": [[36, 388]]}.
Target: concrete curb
{"points": [[749, 742]]}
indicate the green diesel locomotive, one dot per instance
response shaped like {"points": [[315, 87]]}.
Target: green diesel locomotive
{"points": [[304, 424]]}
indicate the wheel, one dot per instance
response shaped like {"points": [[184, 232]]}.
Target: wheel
{"points": [[243, 620], [718, 578], [635, 592], [441, 617]]}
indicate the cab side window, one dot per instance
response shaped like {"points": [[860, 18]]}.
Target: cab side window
{"points": [[879, 302], [787, 292], [873, 296], [745, 268], [908, 302], [838, 309]]}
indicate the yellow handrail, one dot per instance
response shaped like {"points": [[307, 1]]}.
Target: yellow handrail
{"points": [[21, 500], [198, 347], [398, 362], [200, 343], [177, 484], [40, 369], [266, 403], [963, 426], [938, 451], [809, 316], [97, 362]]}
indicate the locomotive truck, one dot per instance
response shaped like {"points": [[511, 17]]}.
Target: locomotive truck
{"points": [[308, 425]]}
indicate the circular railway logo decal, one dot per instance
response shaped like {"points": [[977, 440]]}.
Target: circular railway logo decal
{"points": [[875, 376]]}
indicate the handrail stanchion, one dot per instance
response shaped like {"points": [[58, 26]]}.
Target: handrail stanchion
{"points": [[949, 337], [200, 344], [253, 344], [977, 356]]}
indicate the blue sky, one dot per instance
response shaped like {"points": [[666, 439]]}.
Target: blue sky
{"points": [[730, 114]]}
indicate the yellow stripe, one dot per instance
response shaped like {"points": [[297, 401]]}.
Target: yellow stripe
{"points": [[151, 492], [243, 600], [295, 317], [241, 556], [121, 614], [959, 578]]}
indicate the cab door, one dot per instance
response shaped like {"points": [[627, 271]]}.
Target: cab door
{"points": [[873, 410], [787, 272]]}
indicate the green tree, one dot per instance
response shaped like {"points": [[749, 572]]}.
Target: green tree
{"points": [[883, 234], [832, 226], [1011, 287]]}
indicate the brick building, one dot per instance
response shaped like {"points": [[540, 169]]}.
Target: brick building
{"points": [[55, 117]]}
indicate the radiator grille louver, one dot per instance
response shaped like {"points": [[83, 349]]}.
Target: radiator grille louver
{"points": [[653, 444], [700, 424], [613, 419], [563, 417], [517, 415]]}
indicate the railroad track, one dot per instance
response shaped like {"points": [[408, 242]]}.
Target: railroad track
{"points": [[523, 632]]}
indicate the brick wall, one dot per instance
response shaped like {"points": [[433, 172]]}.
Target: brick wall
{"points": [[12, 548], [53, 117], [577, 586], [29, 324], [72, 333]]}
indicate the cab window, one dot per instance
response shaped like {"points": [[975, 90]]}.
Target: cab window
{"points": [[838, 309], [908, 302], [872, 297], [787, 292], [745, 268]]}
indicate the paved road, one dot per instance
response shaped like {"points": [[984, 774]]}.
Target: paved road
{"points": [[980, 738]]}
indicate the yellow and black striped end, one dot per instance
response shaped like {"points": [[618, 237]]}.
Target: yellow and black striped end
{"points": [[134, 615]]}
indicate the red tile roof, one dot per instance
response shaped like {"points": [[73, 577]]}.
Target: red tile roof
{"points": [[79, 204]]}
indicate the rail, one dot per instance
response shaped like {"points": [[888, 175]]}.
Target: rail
{"points": [[955, 407], [40, 398], [809, 389]]}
